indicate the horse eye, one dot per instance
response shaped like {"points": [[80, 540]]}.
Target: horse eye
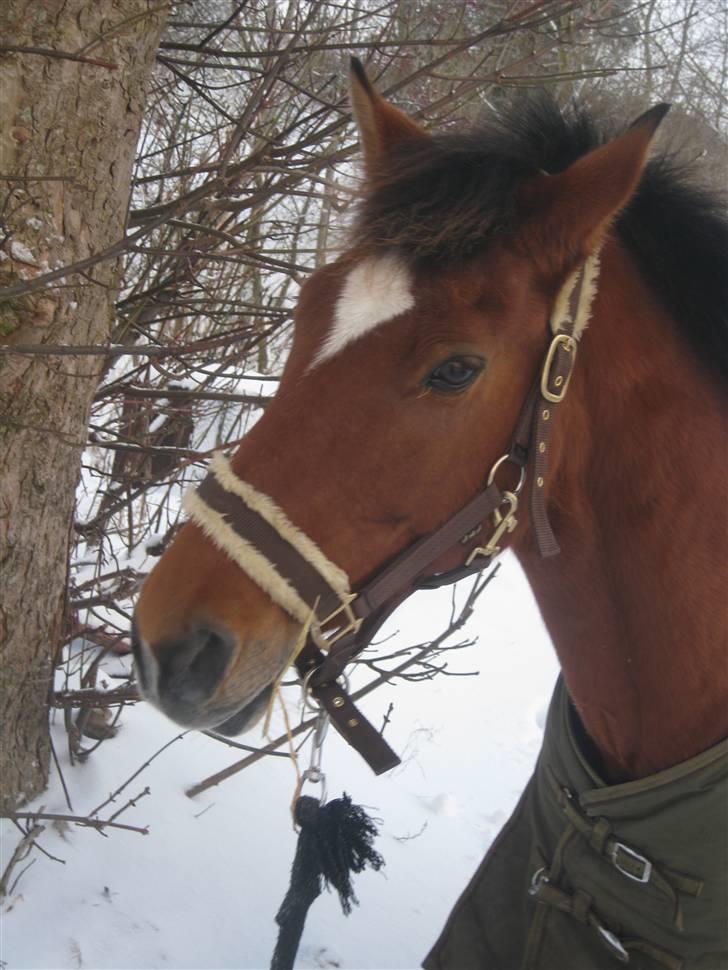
{"points": [[454, 374]]}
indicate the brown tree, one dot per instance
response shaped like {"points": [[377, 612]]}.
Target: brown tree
{"points": [[72, 76]]}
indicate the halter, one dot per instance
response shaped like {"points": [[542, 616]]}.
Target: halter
{"points": [[286, 564]]}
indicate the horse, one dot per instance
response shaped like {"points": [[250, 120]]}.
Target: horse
{"points": [[478, 263]]}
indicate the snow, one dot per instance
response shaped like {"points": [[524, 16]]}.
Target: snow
{"points": [[183, 384], [202, 888], [157, 423], [19, 250]]}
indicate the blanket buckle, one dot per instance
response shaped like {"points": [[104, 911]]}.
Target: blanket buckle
{"points": [[627, 867]]}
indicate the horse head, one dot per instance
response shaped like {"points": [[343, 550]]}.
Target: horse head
{"points": [[412, 356]]}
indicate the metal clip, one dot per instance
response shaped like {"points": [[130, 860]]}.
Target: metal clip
{"points": [[313, 774], [504, 522]]}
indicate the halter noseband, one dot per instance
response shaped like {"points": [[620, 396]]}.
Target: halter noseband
{"points": [[287, 565]]}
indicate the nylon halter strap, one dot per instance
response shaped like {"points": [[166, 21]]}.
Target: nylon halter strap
{"points": [[287, 565]]}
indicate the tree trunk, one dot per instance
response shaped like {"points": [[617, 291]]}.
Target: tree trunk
{"points": [[68, 133]]}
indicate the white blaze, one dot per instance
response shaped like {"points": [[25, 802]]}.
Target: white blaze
{"points": [[376, 290]]}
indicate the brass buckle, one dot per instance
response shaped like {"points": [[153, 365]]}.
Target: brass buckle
{"points": [[504, 522], [569, 344], [353, 622]]}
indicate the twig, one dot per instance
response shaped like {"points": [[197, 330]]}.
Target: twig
{"points": [[37, 845], [57, 763], [134, 449], [22, 873], [84, 820], [37, 178], [130, 804], [91, 697], [175, 394], [415, 835], [21, 852], [387, 718], [112, 796], [239, 745], [61, 55], [58, 350]]}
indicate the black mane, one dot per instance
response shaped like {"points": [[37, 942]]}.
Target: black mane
{"points": [[443, 199]]}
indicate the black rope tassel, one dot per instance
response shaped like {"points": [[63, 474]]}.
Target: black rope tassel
{"points": [[334, 841]]}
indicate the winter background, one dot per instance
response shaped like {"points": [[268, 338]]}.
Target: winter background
{"points": [[202, 888]]}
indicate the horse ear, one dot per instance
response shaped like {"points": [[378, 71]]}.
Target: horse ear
{"points": [[381, 125], [570, 212]]}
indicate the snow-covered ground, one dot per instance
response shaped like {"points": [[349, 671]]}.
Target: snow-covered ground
{"points": [[202, 888]]}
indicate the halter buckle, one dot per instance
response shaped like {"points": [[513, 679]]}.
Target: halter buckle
{"points": [[353, 622], [570, 345], [504, 522]]}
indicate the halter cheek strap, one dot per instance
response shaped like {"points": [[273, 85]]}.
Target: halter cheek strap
{"points": [[287, 564]]}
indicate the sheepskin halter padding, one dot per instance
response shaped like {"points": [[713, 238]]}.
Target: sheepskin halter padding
{"points": [[561, 315], [252, 560]]}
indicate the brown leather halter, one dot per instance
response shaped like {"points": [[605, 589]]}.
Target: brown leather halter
{"points": [[345, 624]]}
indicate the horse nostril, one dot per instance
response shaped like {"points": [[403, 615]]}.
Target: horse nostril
{"points": [[190, 670]]}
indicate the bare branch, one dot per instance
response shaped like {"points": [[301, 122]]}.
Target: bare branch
{"points": [[19, 854], [62, 55], [83, 820]]}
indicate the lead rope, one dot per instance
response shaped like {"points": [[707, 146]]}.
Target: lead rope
{"points": [[335, 840]]}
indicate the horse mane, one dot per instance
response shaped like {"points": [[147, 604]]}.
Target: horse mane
{"points": [[443, 199]]}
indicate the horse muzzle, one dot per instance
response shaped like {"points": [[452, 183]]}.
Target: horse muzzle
{"points": [[188, 678]]}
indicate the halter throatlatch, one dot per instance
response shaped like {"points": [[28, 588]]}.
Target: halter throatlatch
{"points": [[289, 566]]}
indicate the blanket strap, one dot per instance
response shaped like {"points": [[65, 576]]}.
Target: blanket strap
{"points": [[627, 860], [580, 905], [631, 863]]}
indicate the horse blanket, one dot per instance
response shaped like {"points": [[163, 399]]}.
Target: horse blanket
{"points": [[588, 876]]}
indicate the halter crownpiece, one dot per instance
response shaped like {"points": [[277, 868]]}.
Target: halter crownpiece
{"points": [[287, 565]]}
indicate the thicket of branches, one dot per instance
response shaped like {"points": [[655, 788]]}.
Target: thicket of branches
{"points": [[244, 176]]}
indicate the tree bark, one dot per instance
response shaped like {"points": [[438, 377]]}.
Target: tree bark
{"points": [[68, 133]]}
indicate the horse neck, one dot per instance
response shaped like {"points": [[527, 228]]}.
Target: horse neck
{"points": [[634, 603]]}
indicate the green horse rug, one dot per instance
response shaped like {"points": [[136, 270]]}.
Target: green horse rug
{"points": [[588, 876]]}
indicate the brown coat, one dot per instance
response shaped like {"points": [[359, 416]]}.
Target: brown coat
{"points": [[586, 876]]}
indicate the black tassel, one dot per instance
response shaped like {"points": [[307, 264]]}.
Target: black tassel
{"points": [[334, 841]]}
